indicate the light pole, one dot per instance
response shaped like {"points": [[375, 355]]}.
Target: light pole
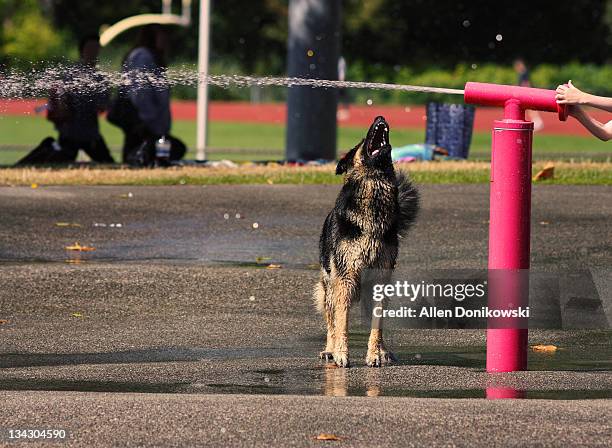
{"points": [[202, 105]]}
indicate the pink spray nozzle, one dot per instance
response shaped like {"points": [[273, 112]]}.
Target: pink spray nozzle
{"points": [[485, 94]]}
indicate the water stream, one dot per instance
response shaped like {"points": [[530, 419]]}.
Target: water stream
{"points": [[38, 82]]}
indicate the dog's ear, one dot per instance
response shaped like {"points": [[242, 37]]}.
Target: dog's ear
{"points": [[346, 162]]}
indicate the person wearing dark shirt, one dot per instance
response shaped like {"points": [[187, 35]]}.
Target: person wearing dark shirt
{"points": [[142, 110], [75, 111]]}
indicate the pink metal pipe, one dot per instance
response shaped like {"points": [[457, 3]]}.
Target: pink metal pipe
{"points": [[509, 230], [484, 94], [510, 209]]}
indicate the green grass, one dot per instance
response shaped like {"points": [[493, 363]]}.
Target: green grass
{"points": [[255, 141], [448, 172]]}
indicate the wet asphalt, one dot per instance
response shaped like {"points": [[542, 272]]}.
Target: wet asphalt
{"points": [[176, 304]]}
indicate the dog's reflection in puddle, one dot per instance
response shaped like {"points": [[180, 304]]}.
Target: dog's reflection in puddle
{"points": [[336, 382]]}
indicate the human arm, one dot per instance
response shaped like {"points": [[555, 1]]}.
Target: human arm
{"points": [[602, 131], [569, 94]]}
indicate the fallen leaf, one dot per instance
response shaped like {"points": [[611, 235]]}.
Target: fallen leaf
{"points": [[78, 247], [544, 223], [34, 185], [329, 437], [262, 259], [270, 181], [273, 266], [548, 172], [3, 321], [77, 315], [74, 261], [544, 348], [68, 224]]}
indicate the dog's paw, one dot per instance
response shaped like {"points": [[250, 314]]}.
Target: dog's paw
{"points": [[341, 359], [326, 356], [380, 357]]}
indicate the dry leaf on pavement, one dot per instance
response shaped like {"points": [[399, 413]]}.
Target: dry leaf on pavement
{"points": [[544, 348], [330, 437], [78, 247]]}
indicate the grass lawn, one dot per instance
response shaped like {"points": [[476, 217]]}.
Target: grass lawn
{"points": [[255, 141], [449, 172]]}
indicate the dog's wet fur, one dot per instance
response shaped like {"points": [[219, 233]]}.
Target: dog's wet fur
{"points": [[375, 207]]}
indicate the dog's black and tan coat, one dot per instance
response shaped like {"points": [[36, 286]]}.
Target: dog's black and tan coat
{"points": [[374, 208]]}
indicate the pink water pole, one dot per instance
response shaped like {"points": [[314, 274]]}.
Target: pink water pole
{"points": [[510, 206]]}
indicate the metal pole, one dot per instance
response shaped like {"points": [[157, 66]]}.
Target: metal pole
{"points": [[202, 106], [510, 214], [313, 52], [509, 235]]}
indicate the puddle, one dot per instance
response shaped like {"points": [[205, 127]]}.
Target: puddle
{"points": [[161, 355], [93, 259], [552, 394], [216, 388]]}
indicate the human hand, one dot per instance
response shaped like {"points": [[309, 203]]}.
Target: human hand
{"points": [[568, 94]]}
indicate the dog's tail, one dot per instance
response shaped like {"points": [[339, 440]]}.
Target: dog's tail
{"points": [[408, 200]]}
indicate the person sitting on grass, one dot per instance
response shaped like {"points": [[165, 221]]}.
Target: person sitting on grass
{"points": [[74, 112], [576, 98]]}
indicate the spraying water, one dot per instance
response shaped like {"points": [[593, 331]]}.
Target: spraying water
{"points": [[39, 82]]}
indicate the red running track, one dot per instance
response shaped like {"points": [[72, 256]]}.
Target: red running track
{"points": [[359, 116]]}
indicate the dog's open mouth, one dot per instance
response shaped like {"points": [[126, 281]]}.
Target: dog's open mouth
{"points": [[378, 138]]}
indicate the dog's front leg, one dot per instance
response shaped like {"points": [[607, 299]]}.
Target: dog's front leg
{"points": [[378, 355], [341, 295], [330, 343]]}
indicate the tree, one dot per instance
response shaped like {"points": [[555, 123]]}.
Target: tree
{"points": [[26, 34]]}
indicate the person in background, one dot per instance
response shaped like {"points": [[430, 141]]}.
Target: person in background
{"points": [[145, 108], [74, 112], [523, 80], [576, 98]]}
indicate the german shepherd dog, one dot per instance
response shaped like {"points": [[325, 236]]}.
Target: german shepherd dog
{"points": [[374, 208]]}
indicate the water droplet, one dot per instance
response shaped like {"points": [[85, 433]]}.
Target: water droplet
{"points": [[474, 66], [255, 225], [226, 216], [499, 38], [237, 215]]}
